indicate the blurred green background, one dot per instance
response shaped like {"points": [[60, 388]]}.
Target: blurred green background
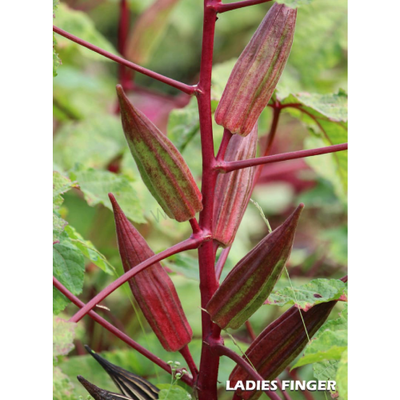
{"points": [[90, 149]]}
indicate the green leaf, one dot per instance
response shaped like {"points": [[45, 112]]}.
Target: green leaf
{"points": [[184, 264], [315, 292], [80, 94], [89, 250], [341, 377], [61, 184], [94, 142], [329, 346], [329, 343], [332, 106], [63, 388], [336, 243], [63, 336], [172, 392], [325, 370], [183, 125], [220, 76], [58, 226], [294, 3], [96, 185], [68, 268], [318, 59], [326, 118], [79, 24], [56, 58], [339, 323]]}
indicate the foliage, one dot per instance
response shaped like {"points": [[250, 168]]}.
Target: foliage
{"points": [[315, 292], [63, 335]]}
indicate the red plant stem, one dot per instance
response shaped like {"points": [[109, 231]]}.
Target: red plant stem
{"points": [[188, 244], [224, 144], [221, 262], [293, 374], [171, 82], [271, 136], [189, 360], [234, 165], [209, 362], [274, 126], [285, 395], [224, 351], [221, 8], [195, 225], [250, 330], [125, 75], [287, 105], [121, 335]]}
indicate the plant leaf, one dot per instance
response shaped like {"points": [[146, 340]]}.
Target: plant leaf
{"points": [[329, 343], [93, 142], [325, 370], [220, 76], [61, 184], [326, 118], [341, 377], [89, 250], [81, 94], [184, 264], [329, 346], [63, 336], [96, 185], [68, 268], [79, 24], [317, 61], [63, 388], [315, 292], [183, 125], [172, 392], [56, 58]]}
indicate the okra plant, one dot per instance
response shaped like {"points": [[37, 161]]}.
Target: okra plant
{"points": [[218, 347]]}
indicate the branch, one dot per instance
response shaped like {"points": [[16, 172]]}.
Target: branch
{"points": [[195, 226], [221, 8], [125, 75], [293, 374], [171, 82], [270, 139], [250, 330], [224, 144], [221, 261], [224, 351], [187, 355], [285, 395], [121, 335], [188, 244], [234, 165]]}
